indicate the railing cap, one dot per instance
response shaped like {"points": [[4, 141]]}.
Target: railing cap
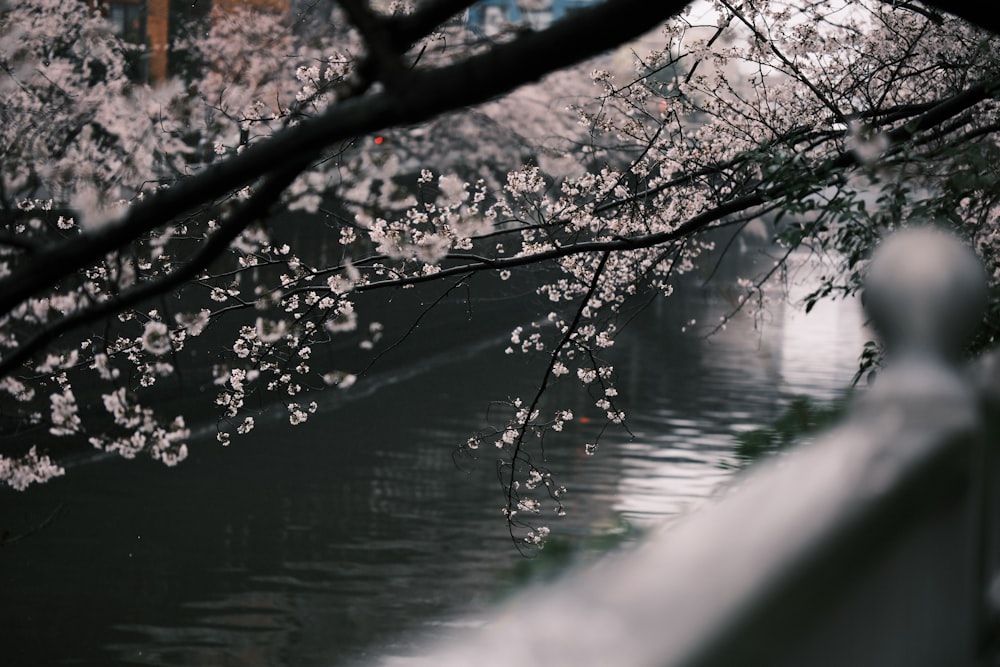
{"points": [[925, 292]]}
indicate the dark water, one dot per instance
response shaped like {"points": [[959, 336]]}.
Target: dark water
{"points": [[346, 538]]}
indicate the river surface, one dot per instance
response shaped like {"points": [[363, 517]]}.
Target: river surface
{"points": [[349, 538]]}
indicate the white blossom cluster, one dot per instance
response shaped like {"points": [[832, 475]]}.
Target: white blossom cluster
{"points": [[32, 468]]}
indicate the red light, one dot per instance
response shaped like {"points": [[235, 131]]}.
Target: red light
{"points": [[379, 140]]}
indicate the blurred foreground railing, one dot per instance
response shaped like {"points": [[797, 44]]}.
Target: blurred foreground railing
{"points": [[879, 544]]}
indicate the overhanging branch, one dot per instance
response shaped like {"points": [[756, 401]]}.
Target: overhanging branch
{"points": [[427, 93], [982, 14], [163, 207], [253, 209]]}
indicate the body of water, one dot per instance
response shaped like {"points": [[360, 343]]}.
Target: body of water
{"points": [[347, 538]]}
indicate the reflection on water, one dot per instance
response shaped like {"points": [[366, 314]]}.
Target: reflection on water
{"points": [[744, 376], [351, 535]]}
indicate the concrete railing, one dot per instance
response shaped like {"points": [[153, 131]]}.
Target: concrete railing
{"points": [[878, 544]]}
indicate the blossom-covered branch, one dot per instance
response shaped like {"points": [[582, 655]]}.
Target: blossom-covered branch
{"points": [[426, 94], [252, 213]]}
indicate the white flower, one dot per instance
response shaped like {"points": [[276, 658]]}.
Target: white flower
{"points": [[866, 144], [529, 505], [194, 323], [340, 378], [453, 189], [527, 180], [27, 470], [296, 415], [344, 319], [65, 420], [156, 337], [270, 331]]}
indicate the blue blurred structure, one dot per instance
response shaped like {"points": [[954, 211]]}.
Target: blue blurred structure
{"points": [[537, 13], [877, 545]]}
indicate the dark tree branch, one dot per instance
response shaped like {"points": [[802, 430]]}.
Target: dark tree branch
{"points": [[253, 209], [19, 242], [935, 116], [916, 8], [415, 324], [510, 490], [405, 30], [982, 14], [946, 109], [427, 93], [383, 58], [6, 539]]}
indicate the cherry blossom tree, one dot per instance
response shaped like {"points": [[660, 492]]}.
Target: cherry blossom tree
{"points": [[830, 121]]}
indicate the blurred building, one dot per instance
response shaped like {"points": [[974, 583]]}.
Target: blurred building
{"points": [[153, 23], [489, 15]]}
